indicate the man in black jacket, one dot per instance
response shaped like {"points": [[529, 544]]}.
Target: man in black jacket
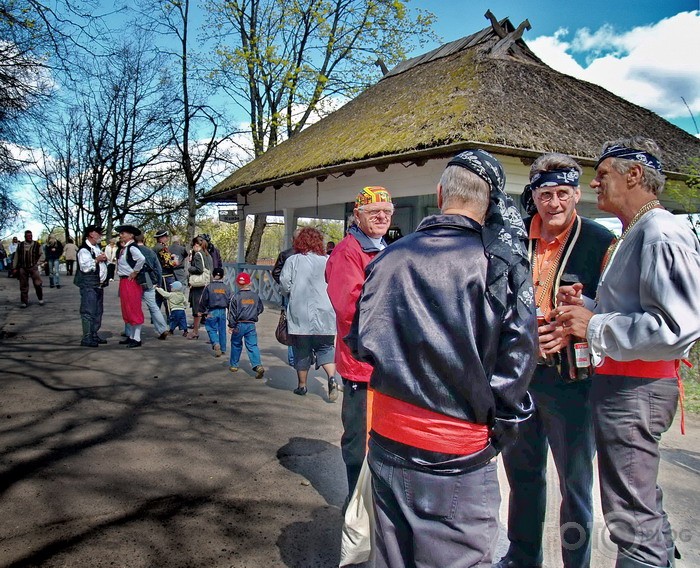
{"points": [[26, 261], [447, 321], [564, 248]]}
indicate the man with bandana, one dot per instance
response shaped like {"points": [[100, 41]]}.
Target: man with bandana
{"points": [[563, 248], [447, 320], [645, 319], [345, 274]]}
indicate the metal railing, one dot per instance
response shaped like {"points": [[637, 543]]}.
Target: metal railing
{"points": [[260, 279]]}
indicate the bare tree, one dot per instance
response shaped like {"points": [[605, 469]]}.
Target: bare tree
{"points": [[286, 62]]}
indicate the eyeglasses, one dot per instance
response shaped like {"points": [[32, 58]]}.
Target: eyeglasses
{"points": [[374, 213], [545, 196]]}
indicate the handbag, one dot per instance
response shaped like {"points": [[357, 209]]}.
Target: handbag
{"points": [[200, 280], [358, 525], [281, 333]]}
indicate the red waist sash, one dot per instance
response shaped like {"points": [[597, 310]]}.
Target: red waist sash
{"points": [[639, 368], [421, 428]]}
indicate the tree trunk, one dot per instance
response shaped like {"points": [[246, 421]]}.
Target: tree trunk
{"points": [[253, 250]]}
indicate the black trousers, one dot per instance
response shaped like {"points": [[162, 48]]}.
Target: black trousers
{"points": [[353, 443], [629, 416]]}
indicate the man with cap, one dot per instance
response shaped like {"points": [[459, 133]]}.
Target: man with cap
{"points": [[645, 319], [26, 261], [179, 254], [130, 262], [345, 275], [563, 247], [447, 320], [167, 263], [90, 278]]}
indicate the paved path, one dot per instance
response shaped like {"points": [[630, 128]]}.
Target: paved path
{"points": [[160, 457]]}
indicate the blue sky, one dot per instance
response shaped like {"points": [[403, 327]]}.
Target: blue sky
{"points": [[647, 51]]}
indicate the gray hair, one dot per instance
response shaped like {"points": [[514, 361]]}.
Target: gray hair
{"points": [[553, 161], [652, 180], [461, 186]]}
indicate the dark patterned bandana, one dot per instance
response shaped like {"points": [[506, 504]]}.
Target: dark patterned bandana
{"points": [[624, 153], [503, 234], [553, 178]]}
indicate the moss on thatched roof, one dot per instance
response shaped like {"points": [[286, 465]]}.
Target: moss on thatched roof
{"points": [[512, 104]]}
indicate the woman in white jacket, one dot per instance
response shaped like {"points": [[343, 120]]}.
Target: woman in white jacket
{"points": [[310, 315]]}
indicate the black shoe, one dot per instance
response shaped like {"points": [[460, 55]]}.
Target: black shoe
{"points": [[51, 286], [84, 343], [163, 335], [125, 341], [332, 390], [99, 340], [58, 286], [133, 343], [506, 562]]}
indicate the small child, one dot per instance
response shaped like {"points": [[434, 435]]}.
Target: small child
{"points": [[177, 304], [243, 312], [213, 302]]}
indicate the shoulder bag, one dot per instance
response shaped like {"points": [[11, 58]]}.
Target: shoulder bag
{"points": [[200, 280]]}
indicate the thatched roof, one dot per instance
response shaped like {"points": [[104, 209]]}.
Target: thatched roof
{"points": [[485, 89]]}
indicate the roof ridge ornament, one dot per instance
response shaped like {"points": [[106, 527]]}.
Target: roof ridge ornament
{"points": [[507, 43]]}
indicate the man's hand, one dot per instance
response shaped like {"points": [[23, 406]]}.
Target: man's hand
{"points": [[102, 257], [552, 338], [133, 275], [570, 295], [573, 319]]}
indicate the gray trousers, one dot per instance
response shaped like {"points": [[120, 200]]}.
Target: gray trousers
{"points": [[629, 415], [424, 519]]}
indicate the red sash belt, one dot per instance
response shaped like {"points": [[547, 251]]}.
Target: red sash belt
{"points": [[638, 368], [421, 428], [648, 370]]}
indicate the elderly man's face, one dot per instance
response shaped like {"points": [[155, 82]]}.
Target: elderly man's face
{"points": [[610, 186], [94, 237], [125, 237], [374, 219], [556, 206]]}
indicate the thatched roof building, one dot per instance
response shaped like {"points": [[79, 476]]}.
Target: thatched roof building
{"points": [[487, 89]]}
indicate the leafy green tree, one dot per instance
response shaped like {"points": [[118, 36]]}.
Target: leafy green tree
{"points": [[287, 62], [688, 195]]}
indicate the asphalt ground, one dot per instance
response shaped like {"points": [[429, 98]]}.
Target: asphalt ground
{"points": [[161, 457]]}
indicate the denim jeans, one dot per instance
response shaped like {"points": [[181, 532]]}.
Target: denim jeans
{"points": [[157, 318], [246, 332], [178, 318], [54, 269], [562, 422], [215, 325], [427, 519]]}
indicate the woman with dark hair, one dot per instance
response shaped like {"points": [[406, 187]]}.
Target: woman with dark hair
{"points": [[310, 316], [199, 261]]}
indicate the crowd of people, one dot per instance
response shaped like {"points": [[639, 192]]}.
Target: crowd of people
{"points": [[479, 334]]}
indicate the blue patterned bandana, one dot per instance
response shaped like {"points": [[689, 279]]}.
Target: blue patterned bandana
{"points": [[625, 153], [503, 234], [553, 178]]}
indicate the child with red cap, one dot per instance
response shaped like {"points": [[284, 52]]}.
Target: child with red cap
{"points": [[243, 312]]}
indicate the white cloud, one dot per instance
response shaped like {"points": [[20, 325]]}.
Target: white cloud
{"points": [[652, 66]]}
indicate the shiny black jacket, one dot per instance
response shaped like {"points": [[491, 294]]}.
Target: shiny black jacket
{"points": [[426, 326]]}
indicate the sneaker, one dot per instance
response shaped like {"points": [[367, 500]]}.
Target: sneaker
{"points": [[233, 369], [23, 305], [259, 371], [217, 350], [332, 390], [301, 391]]}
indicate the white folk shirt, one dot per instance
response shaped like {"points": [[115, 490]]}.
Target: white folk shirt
{"points": [[123, 268], [86, 262]]}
